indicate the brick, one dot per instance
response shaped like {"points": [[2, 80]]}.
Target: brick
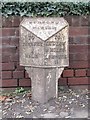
{"points": [[78, 31], [9, 49], [10, 41], [78, 64], [14, 41], [89, 64], [62, 81], [6, 74], [79, 87], [89, 40], [10, 32], [85, 21], [73, 20], [76, 21], [78, 56], [0, 75], [6, 53], [88, 48], [6, 22], [78, 81], [9, 83], [83, 40], [5, 58], [69, 19], [88, 72], [81, 72], [8, 66], [11, 21], [81, 57], [71, 41], [78, 48], [5, 40], [14, 57], [88, 57], [18, 74], [78, 40], [68, 73], [89, 31], [0, 60], [26, 75], [18, 67], [16, 21], [89, 20], [25, 82]]}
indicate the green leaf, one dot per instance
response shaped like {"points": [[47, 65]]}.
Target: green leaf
{"points": [[45, 8]]}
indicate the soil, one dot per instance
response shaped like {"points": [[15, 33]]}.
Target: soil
{"points": [[69, 104]]}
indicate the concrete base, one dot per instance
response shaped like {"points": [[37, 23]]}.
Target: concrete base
{"points": [[44, 83]]}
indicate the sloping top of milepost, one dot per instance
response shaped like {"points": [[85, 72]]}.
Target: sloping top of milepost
{"points": [[44, 28]]}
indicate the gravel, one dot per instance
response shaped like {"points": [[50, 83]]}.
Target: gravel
{"points": [[70, 104]]}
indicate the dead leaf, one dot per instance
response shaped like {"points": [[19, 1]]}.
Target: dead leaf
{"points": [[2, 98], [28, 112], [29, 95]]}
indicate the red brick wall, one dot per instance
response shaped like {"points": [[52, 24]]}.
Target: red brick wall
{"points": [[77, 73]]}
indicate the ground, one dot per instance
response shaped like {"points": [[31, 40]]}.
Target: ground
{"points": [[71, 103]]}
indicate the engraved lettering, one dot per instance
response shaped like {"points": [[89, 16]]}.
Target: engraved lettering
{"points": [[33, 44], [44, 28], [44, 42], [31, 55], [53, 43], [57, 56]]}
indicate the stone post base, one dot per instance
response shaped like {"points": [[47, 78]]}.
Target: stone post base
{"points": [[44, 83]]}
